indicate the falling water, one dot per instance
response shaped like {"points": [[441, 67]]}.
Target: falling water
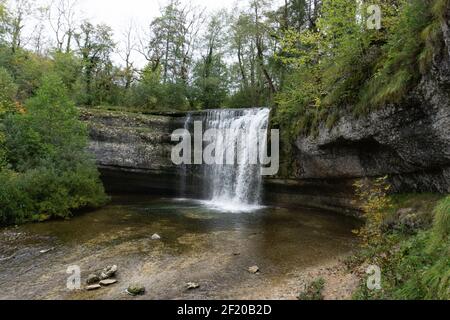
{"points": [[236, 187], [184, 167]]}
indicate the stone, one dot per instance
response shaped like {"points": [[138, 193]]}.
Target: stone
{"points": [[46, 250], [108, 272], [156, 237], [92, 279], [254, 269], [107, 282], [93, 287], [135, 289], [192, 285]]}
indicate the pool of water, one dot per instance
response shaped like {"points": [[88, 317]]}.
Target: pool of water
{"points": [[199, 243]]}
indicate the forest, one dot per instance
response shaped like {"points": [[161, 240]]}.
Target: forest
{"points": [[310, 61]]}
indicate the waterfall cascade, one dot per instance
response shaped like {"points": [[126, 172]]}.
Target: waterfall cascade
{"points": [[236, 187]]}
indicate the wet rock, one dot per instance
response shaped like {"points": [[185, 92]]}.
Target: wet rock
{"points": [[93, 287], [92, 279], [254, 269], [156, 237], [107, 282], [46, 250], [136, 289], [108, 272], [192, 285]]}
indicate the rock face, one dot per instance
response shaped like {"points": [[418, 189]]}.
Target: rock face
{"points": [[130, 141], [410, 143], [128, 145]]}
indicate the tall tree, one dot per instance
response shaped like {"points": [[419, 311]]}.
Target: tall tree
{"points": [[95, 45], [62, 17], [210, 72]]}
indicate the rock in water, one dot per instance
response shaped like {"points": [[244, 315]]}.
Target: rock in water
{"points": [[46, 250], [156, 237], [136, 289], [192, 285], [253, 269], [108, 272], [92, 279], [93, 287], [108, 282]]}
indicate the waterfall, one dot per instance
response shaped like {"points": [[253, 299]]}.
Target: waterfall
{"points": [[184, 167], [238, 186]]}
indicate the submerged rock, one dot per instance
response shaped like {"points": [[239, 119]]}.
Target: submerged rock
{"points": [[136, 289], [156, 237], [254, 269], [46, 250], [92, 279], [108, 272], [192, 285], [108, 282], [93, 287]]}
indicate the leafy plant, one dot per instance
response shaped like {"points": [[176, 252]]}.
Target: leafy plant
{"points": [[314, 291]]}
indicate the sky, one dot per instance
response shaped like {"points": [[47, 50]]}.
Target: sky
{"points": [[119, 14]]}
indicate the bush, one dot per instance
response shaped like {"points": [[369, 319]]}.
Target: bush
{"points": [[49, 172], [414, 267], [313, 291], [376, 203], [8, 92]]}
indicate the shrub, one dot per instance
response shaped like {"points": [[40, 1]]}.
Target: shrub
{"points": [[375, 204], [313, 291], [50, 173]]}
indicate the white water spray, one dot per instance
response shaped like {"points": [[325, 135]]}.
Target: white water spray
{"points": [[237, 187]]}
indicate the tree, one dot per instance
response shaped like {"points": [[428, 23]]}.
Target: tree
{"points": [[172, 40], [8, 92], [254, 43], [210, 72], [95, 45], [50, 172], [125, 52], [18, 13], [62, 18]]}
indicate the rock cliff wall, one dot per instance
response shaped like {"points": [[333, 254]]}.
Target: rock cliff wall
{"points": [[410, 143]]}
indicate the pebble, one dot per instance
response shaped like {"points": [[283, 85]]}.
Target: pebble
{"points": [[254, 269], [93, 287], [156, 237]]}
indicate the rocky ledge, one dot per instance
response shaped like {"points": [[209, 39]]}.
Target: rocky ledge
{"points": [[409, 143]]}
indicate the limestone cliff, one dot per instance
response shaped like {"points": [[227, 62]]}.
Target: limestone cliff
{"points": [[410, 143]]}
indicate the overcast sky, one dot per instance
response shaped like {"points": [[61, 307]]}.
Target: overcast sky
{"points": [[119, 13]]}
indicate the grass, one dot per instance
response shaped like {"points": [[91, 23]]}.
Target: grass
{"points": [[415, 265]]}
